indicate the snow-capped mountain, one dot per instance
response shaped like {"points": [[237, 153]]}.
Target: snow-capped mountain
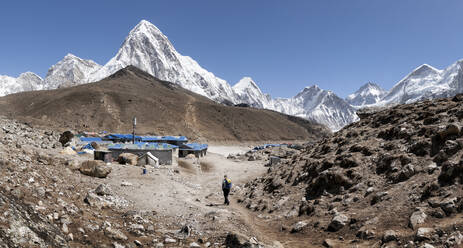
{"points": [[369, 93], [248, 92], [147, 48], [426, 82], [322, 106], [312, 103], [69, 71], [27, 81]]}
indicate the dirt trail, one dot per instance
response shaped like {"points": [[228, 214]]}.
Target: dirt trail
{"points": [[192, 196]]}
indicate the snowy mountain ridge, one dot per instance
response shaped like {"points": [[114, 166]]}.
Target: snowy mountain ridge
{"points": [[69, 71], [248, 92], [147, 48], [312, 103], [369, 93], [426, 82], [27, 81]]}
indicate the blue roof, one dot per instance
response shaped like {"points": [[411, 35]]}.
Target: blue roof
{"points": [[193, 147], [88, 146], [142, 146], [118, 136], [163, 138], [90, 139]]}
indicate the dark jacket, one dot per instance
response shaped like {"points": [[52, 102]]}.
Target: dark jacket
{"points": [[226, 184]]}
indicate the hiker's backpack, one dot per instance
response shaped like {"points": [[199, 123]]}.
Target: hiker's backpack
{"points": [[228, 183]]}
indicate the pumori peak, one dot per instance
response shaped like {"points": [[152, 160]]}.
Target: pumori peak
{"points": [[147, 48]]}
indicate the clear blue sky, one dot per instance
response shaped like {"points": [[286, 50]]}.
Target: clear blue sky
{"points": [[283, 45]]}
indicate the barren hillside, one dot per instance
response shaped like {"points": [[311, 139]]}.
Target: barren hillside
{"points": [[160, 108], [393, 179]]}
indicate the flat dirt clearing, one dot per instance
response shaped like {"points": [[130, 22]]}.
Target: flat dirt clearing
{"points": [[191, 194]]}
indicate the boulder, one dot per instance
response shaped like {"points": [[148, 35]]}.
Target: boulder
{"points": [[231, 156], [454, 240], [297, 227], [103, 189], [417, 217], [94, 200], [436, 144], [233, 240], [424, 233], [190, 156], [128, 158], [389, 236], [450, 172], [458, 98], [68, 151], [451, 130], [379, 196], [114, 234], [451, 147], [194, 245], [365, 233], [420, 148], [338, 222], [169, 240], [449, 205], [332, 243], [95, 145], [66, 138], [72, 164], [95, 168]]}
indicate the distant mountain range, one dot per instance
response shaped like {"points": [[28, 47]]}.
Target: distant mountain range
{"points": [[147, 48], [161, 107]]}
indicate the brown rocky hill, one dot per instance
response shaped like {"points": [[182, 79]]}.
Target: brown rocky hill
{"points": [[161, 108], [392, 179]]}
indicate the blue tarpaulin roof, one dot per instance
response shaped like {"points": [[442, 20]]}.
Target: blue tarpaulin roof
{"points": [[142, 146], [90, 139], [194, 147], [88, 146], [118, 136], [163, 138]]}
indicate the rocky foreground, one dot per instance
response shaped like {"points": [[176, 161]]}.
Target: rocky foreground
{"points": [[52, 199], [392, 179]]}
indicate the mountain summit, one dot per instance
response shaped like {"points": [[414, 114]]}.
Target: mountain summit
{"points": [[147, 48], [69, 71], [27, 81], [320, 105], [369, 93], [248, 92]]}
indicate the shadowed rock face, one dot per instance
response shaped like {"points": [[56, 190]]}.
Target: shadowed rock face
{"points": [[393, 162]]}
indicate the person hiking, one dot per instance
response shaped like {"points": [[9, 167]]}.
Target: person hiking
{"points": [[226, 186]]}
